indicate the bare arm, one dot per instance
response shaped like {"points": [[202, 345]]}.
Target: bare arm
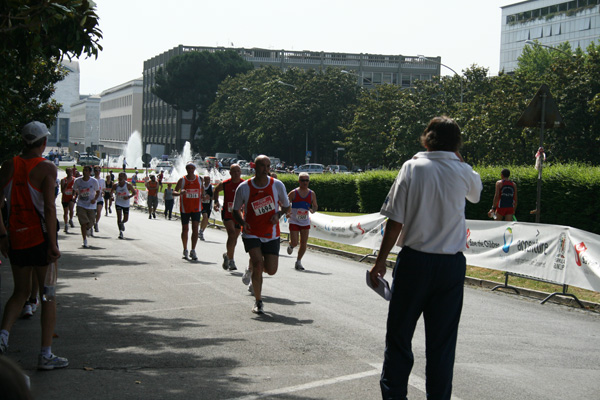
{"points": [[497, 195], [315, 206], [390, 236], [48, 184], [5, 173], [177, 191]]}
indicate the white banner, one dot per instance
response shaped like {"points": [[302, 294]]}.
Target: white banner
{"points": [[555, 253]]}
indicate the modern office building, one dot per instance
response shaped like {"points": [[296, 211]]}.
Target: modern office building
{"points": [[66, 93], [165, 129], [84, 125], [550, 22], [120, 116]]}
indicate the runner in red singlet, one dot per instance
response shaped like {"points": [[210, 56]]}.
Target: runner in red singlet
{"points": [[190, 190]]}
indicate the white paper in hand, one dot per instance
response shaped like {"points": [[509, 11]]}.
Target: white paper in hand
{"points": [[383, 289]]}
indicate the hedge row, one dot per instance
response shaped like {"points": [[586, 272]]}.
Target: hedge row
{"points": [[568, 193]]}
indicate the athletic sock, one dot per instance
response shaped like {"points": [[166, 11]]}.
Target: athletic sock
{"points": [[46, 351]]}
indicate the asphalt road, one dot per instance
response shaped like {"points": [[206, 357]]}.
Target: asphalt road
{"points": [[138, 322]]}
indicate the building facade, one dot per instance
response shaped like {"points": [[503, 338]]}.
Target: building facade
{"points": [[165, 129], [550, 22], [120, 115], [66, 93], [84, 125]]}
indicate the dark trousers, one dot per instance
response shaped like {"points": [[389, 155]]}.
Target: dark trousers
{"points": [[169, 207], [432, 285]]}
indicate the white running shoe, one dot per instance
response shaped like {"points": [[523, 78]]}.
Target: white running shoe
{"points": [[299, 266], [27, 311], [258, 307], [201, 235], [96, 227], [185, 254], [66, 228], [91, 232], [85, 243], [247, 277], [225, 262], [52, 362], [232, 266], [120, 234], [290, 249], [251, 289], [71, 223], [193, 255]]}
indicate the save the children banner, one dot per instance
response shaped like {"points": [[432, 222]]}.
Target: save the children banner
{"points": [[555, 253]]}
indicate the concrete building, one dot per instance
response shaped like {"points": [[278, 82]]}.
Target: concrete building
{"points": [[165, 129], [120, 115], [550, 22], [85, 125], [66, 93]]}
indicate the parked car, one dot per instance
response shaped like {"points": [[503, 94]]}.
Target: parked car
{"points": [[338, 169], [87, 159], [165, 166], [310, 169]]}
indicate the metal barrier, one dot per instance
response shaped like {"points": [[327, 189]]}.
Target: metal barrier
{"points": [[563, 293]]}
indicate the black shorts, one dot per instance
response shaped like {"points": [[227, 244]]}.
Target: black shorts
{"points": [[185, 217], [100, 203], [206, 209], [107, 195], [270, 247], [237, 226], [66, 204], [36, 256], [124, 209]]}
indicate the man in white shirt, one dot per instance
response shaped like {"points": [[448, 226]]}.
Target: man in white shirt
{"points": [[261, 196], [86, 191], [425, 208]]}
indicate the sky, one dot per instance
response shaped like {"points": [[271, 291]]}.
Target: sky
{"points": [[461, 32]]}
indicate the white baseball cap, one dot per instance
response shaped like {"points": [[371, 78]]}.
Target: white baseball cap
{"points": [[34, 131]]}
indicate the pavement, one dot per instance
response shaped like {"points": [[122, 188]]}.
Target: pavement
{"points": [[136, 321]]}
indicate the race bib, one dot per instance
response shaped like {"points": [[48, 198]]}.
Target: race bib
{"points": [[230, 206], [123, 195], [206, 199], [263, 206], [84, 194], [301, 214], [107, 189], [68, 192], [192, 193]]}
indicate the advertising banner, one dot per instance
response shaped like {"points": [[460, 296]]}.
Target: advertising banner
{"points": [[555, 253]]}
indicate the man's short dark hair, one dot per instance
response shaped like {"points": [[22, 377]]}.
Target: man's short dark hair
{"points": [[505, 172], [442, 134]]}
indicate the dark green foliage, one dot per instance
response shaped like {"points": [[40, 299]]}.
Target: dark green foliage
{"points": [[372, 188], [335, 192]]}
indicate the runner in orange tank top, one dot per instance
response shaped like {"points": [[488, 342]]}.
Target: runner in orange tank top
{"points": [[262, 196], [190, 191], [66, 188]]}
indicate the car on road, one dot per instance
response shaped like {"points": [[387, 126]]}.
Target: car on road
{"points": [[88, 159], [337, 169], [165, 166], [310, 169]]}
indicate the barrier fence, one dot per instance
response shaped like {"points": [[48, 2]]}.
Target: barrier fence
{"points": [[551, 253]]}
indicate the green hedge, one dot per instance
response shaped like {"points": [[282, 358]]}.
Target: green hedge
{"points": [[568, 193]]}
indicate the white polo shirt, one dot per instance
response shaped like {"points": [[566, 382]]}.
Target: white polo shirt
{"points": [[428, 198], [86, 192]]}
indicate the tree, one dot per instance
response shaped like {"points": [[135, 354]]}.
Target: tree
{"points": [[189, 82], [34, 36]]}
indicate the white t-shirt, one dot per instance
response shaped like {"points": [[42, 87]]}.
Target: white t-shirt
{"points": [[102, 186], [86, 192], [428, 198], [242, 193]]}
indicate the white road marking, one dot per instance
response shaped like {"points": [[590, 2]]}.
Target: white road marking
{"points": [[310, 385]]}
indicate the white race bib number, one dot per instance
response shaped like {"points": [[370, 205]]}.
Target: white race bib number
{"points": [[192, 193], [230, 206], [68, 192], [84, 194], [263, 206], [302, 214]]}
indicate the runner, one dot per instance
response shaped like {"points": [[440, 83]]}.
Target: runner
{"points": [[262, 196], [122, 190], [108, 198], [160, 178], [66, 188], [152, 188], [190, 191], [303, 201], [169, 200], [87, 192], [207, 199], [228, 187], [505, 198], [100, 202]]}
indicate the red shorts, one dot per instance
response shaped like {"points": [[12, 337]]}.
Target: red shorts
{"points": [[298, 228], [505, 211]]}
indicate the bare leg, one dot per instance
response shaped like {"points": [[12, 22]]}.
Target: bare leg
{"points": [[303, 242], [48, 311], [293, 239], [232, 238], [21, 291], [184, 235], [194, 233]]}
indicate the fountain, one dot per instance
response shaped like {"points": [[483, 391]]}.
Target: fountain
{"points": [[133, 152]]}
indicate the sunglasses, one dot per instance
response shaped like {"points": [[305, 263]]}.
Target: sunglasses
{"points": [[304, 180]]}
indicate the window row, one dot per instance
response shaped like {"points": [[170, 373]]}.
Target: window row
{"points": [[550, 11], [116, 128], [124, 101]]}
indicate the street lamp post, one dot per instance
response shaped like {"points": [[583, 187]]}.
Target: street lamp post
{"points": [[306, 157], [533, 43], [422, 57]]}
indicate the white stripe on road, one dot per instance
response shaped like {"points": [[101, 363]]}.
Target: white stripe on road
{"points": [[310, 385]]}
